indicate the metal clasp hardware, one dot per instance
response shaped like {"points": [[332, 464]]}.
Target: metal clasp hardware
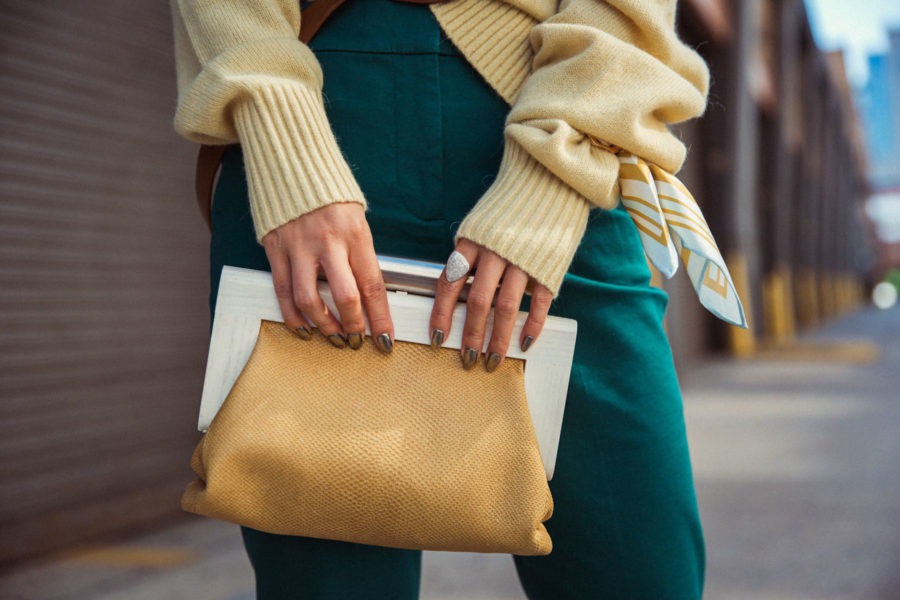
{"points": [[605, 145]]}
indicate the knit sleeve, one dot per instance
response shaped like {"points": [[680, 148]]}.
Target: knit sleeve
{"points": [[243, 76], [612, 69]]}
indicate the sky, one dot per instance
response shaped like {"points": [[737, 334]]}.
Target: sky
{"points": [[858, 26]]}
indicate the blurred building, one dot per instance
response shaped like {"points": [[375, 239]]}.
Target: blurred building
{"points": [[880, 106], [103, 256], [779, 167], [883, 208]]}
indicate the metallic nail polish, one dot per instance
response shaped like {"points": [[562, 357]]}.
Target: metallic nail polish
{"points": [[384, 343], [355, 340], [337, 340], [437, 338], [469, 358], [303, 332], [527, 342], [491, 362]]}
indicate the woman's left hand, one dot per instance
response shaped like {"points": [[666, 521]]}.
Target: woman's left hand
{"points": [[490, 270]]}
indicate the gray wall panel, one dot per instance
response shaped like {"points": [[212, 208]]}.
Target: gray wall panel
{"points": [[103, 275]]}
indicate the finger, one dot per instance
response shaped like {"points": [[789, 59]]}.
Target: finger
{"points": [[371, 287], [478, 305], [306, 297], [446, 296], [282, 281], [541, 298], [506, 309], [345, 295]]}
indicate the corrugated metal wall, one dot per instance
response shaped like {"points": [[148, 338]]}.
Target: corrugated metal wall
{"points": [[103, 277]]}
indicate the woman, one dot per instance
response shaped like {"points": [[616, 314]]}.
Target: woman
{"points": [[392, 132]]}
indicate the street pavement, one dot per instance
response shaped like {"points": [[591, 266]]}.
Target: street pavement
{"points": [[797, 467], [796, 458]]}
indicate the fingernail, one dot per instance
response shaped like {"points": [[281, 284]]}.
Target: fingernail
{"points": [[469, 358], [303, 332], [527, 342], [437, 338], [354, 340], [384, 343], [491, 362], [337, 340]]}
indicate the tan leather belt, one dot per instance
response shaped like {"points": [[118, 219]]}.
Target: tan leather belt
{"points": [[210, 157]]}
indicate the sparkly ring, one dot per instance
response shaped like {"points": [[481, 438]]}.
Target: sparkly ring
{"points": [[457, 267]]}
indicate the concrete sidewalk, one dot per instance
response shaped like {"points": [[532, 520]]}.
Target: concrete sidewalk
{"points": [[797, 465]]}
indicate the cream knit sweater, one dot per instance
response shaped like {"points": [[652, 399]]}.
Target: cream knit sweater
{"points": [[614, 69]]}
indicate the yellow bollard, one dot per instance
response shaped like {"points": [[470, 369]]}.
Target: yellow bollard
{"points": [[808, 310], [741, 342], [778, 306]]}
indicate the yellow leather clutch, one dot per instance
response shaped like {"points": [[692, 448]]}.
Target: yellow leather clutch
{"points": [[406, 450]]}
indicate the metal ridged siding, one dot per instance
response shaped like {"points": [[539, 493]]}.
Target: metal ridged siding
{"points": [[103, 276]]}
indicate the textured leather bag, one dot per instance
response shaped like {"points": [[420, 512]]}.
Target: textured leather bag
{"points": [[398, 451]]}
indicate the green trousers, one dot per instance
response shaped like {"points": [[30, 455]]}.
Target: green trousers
{"points": [[423, 133]]}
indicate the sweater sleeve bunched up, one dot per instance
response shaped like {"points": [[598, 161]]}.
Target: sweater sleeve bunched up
{"points": [[613, 69]]}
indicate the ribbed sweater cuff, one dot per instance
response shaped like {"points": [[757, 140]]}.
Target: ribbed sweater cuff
{"points": [[291, 156], [530, 217]]}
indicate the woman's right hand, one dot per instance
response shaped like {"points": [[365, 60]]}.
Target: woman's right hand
{"points": [[336, 240]]}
